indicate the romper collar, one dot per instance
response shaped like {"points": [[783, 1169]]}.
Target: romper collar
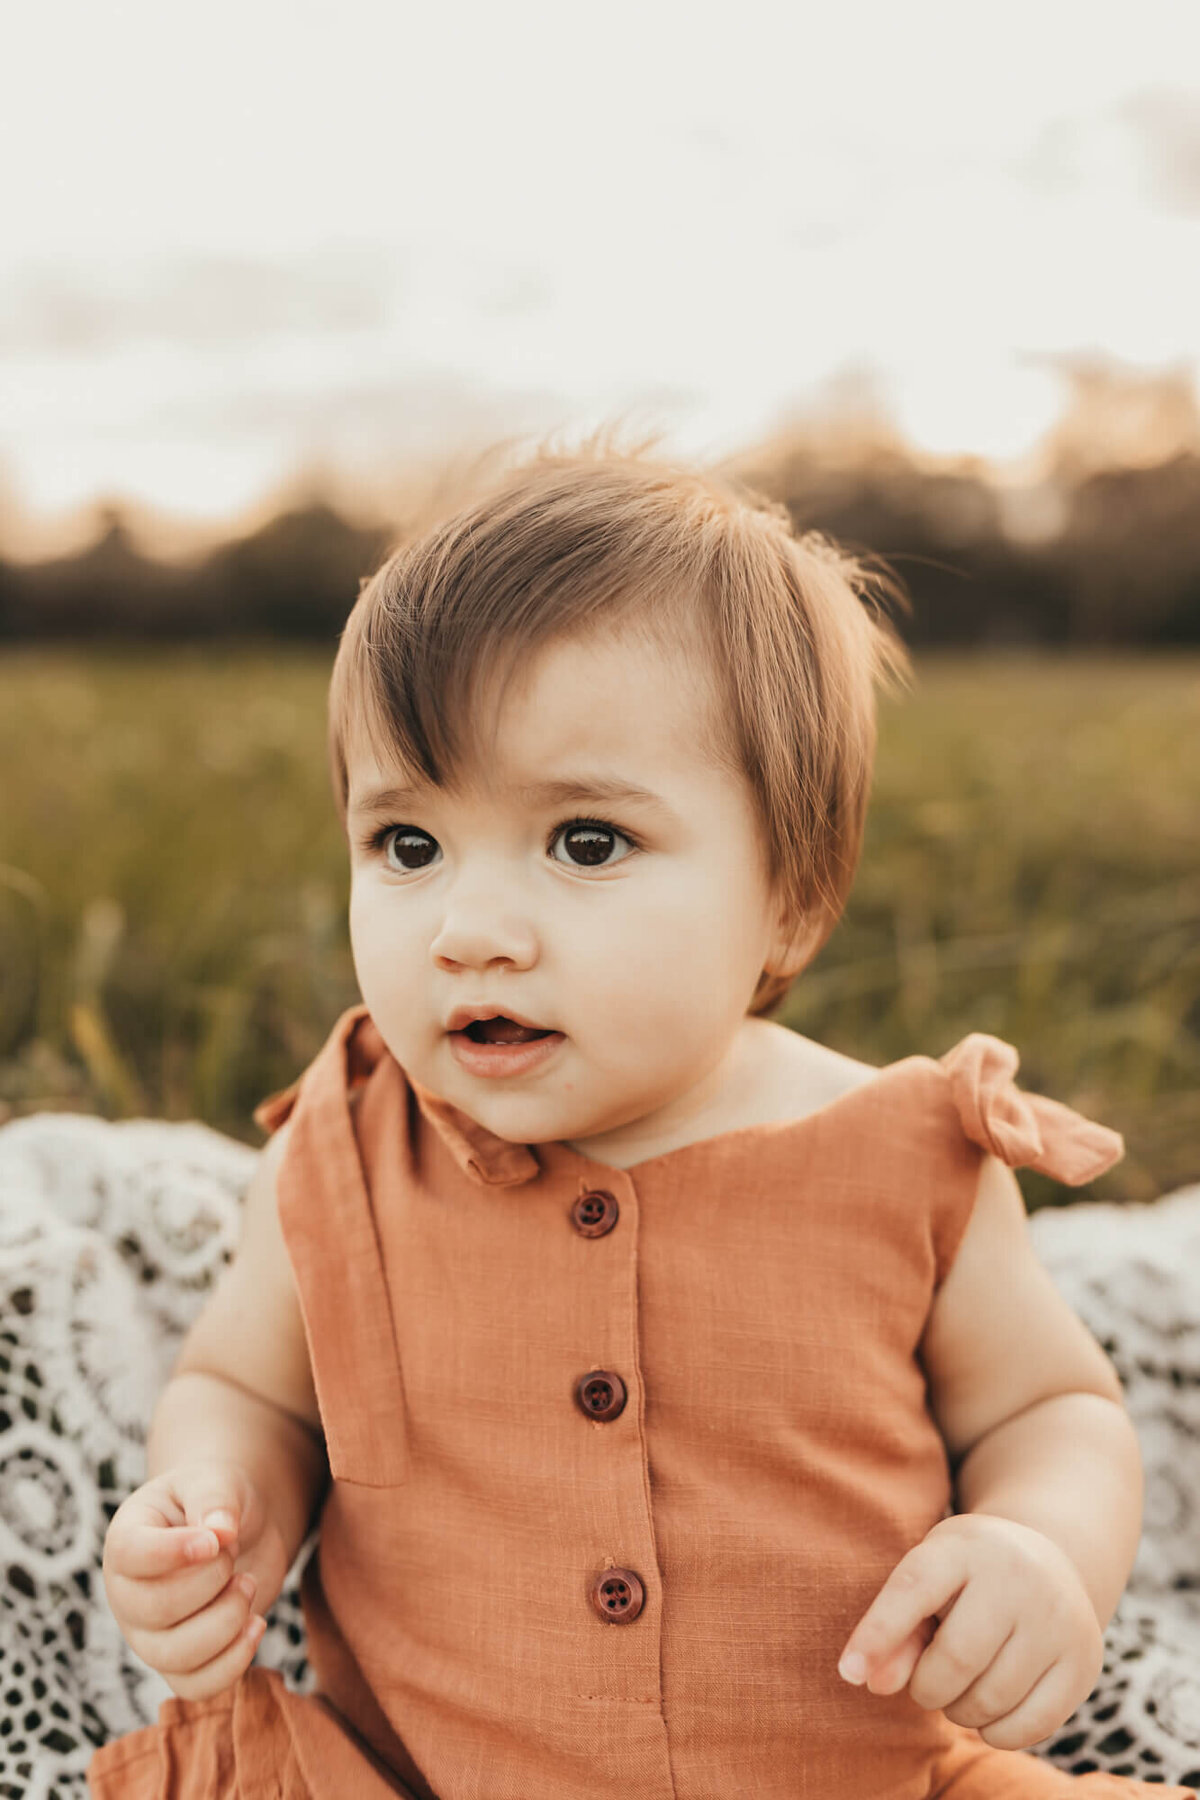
{"points": [[477, 1151], [358, 1048]]}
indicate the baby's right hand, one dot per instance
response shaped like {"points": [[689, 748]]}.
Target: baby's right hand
{"points": [[176, 1576]]}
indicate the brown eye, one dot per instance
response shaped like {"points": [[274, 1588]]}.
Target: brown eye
{"points": [[589, 846], [407, 849]]}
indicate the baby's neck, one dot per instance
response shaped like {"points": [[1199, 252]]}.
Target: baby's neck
{"points": [[768, 1074]]}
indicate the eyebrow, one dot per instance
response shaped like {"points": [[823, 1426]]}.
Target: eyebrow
{"points": [[598, 788]]}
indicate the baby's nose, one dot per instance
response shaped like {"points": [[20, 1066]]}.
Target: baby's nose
{"points": [[475, 934]]}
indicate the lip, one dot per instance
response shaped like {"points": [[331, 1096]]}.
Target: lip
{"points": [[462, 1016], [492, 1060]]}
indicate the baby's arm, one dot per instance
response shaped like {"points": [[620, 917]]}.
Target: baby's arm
{"points": [[1030, 1407], [236, 1432], [1016, 1588], [242, 1386]]}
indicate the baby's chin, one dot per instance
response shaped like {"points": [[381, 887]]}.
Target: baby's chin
{"points": [[529, 1118], [526, 1112]]}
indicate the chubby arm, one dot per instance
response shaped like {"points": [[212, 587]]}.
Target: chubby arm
{"points": [[236, 1464], [1028, 1404], [997, 1616], [242, 1388]]}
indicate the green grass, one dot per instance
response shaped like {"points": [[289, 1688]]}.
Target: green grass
{"points": [[172, 887]]}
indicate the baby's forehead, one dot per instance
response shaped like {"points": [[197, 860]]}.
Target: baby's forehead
{"points": [[601, 711]]}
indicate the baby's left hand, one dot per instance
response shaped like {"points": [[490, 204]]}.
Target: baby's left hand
{"points": [[987, 1620]]}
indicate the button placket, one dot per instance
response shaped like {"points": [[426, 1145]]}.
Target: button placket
{"points": [[617, 1594]]}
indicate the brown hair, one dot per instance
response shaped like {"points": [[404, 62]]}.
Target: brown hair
{"points": [[794, 631]]}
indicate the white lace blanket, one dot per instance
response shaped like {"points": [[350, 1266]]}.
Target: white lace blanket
{"points": [[112, 1234]]}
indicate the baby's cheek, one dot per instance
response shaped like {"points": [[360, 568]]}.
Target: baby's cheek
{"points": [[652, 1021], [693, 981], [394, 987]]}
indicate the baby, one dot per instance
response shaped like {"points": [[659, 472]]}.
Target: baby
{"points": [[684, 1409]]}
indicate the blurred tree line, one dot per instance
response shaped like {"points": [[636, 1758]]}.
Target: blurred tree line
{"points": [[1101, 545]]}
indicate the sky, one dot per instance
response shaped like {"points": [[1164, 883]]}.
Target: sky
{"points": [[261, 241]]}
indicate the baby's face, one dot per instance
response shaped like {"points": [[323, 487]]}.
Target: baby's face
{"points": [[598, 882]]}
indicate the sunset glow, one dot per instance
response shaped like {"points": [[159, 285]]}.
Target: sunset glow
{"points": [[292, 238]]}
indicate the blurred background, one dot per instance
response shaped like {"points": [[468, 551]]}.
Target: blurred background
{"points": [[930, 275]]}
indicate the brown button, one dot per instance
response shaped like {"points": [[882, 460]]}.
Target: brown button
{"points": [[595, 1213], [601, 1394], [618, 1595]]}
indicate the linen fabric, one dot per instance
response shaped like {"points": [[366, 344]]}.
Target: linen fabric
{"points": [[762, 1295]]}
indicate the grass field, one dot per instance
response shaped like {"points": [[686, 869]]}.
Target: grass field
{"points": [[172, 887]]}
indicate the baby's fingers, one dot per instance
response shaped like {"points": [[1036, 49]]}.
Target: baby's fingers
{"points": [[141, 1547], [1041, 1711], [187, 1647], [920, 1586], [967, 1652], [891, 1676], [168, 1599], [1004, 1684], [224, 1669], [157, 1574]]}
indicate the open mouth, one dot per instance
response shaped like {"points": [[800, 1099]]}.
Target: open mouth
{"points": [[501, 1048], [502, 1031]]}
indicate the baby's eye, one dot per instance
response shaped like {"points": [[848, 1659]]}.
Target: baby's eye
{"points": [[589, 844], [406, 849]]}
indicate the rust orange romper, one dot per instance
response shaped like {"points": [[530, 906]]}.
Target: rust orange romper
{"points": [[619, 1456]]}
